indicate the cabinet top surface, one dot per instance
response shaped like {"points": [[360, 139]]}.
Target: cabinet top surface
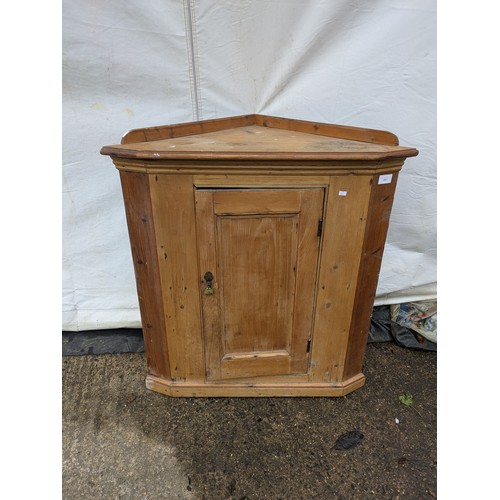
{"points": [[257, 137]]}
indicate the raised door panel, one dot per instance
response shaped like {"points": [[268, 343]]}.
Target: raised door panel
{"points": [[262, 248]]}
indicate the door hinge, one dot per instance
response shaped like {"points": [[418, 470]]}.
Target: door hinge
{"points": [[320, 227], [308, 348]]}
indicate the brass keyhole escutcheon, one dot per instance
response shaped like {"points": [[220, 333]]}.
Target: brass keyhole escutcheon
{"points": [[209, 277]]}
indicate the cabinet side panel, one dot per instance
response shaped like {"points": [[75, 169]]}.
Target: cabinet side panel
{"points": [[174, 214], [135, 189], [343, 236], [380, 207]]}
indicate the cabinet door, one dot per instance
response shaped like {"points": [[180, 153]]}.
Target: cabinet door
{"points": [[261, 247]]}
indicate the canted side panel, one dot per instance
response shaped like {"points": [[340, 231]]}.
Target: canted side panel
{"points": [[135, 189], [172, 199], [381, 199], [343, 236]]}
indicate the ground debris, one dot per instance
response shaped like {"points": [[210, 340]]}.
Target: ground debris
{"points": [[348, 440]]}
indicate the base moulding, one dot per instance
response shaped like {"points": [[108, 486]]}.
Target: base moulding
{"points": [[253, 389]]}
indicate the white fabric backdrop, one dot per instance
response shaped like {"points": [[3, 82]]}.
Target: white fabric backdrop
{"points": [[126, 64]]}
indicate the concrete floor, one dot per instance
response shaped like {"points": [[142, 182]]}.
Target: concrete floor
{"points": [[121, 441]]}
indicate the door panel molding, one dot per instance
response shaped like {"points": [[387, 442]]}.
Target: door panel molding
{"points": [[263, 250]]}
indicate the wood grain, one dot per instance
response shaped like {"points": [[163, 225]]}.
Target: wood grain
{"points": [[344, 226], [250, 201], [256, 260], [312, 208], [254, 142], [260, 181], [379, 211], [184, 129], [172, 200], [142, 235], [330, 130], [241, 197], [211, 306], [258, 137], [206, 126], [259, 168], [255, 389], [265, 259]]}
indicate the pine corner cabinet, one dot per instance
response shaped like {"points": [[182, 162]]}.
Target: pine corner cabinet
{"points": [[257, 243]]}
